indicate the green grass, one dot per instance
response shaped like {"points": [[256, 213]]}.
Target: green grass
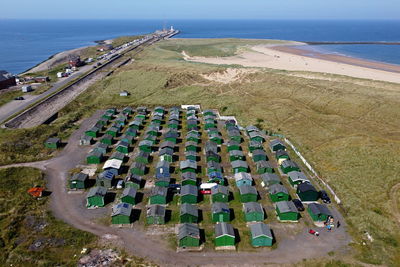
{"points": [[6, 97], [21, 216], [346, 127]]}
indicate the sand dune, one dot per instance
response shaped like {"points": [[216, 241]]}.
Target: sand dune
{"points": [[292, 59]]}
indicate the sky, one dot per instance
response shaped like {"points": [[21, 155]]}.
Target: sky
{"points": [[201, 9]]}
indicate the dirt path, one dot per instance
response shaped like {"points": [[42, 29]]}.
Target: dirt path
{"points": [[71, 209]]}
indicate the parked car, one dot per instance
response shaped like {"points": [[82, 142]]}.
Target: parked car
{"points": [[324, 196], [298, 204], [19, 98], [174, 188]]}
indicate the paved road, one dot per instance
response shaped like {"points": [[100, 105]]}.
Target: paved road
{"points": [[71, 209]]}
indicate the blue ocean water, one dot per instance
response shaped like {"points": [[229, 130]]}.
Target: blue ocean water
{"points": [[25, 43]]}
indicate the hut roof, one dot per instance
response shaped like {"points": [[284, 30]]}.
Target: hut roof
{"points": [[260, 229], [223, 228], [122, 209]]}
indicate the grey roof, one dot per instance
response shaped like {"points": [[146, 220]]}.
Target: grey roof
{"points": [[317, 208], [239, 163], [218, 207], [298, 176], [156, 210], [251, 128], [117, 155], [158, 190], [95, 153], [252, 207], [189, 175], [243, 176], [143, 154], [128, 137], [188, 164], [211, 145], [166, 151], [219, 189], [255, 144], [187, 208], [101, 146], [270, 177], [129, 191], [79, 176], [189, 190], [188, 229], [260, 229], [122, 209], [94, 129], [194, 134], [289, 163], [247, 189], [191, 143], [171, 134], [145, 143], [233, 143], [162, 164], [223, 228], [276, 142], [264, 164], [255, 134], [277, 188], [304, 187], [280, 153], [53, 140], [133, 178], [258, 152], [167, 144], [238, 153], [138, 165], [123, 143], [233, 132], [97, 191], [190, 153], [213, 165], [286, 206], [212, 154]]}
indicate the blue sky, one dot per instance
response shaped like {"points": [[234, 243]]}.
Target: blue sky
{"points": [[201, 9]]}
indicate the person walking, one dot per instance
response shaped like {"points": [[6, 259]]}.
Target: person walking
{"points": [[337, 224]]}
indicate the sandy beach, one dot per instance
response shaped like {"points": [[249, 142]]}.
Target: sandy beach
{"points": [[294, 58]]}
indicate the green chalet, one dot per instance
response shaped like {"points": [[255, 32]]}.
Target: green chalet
{"points": [[248, 193], [263, 166], [188, 166], [135, 125], [129, 139], [96, 197], [278, 192], [129, 195], [155, 214], [276, 145], [127, 111], [236, 155], [281, 155], [189, 194], [102, 122], [253, 212], [239, 166], [113, 131], [212, 156], [101, 147], [233, 145], [150, 138], [286, 211], [254, 145], [252, 128], [261, 235], [191, 146], [131, 132], [219, 193], [189, 178], [268, 179], [307, 192], [189, 213], [145, 146], [319, 212], [121, 213], [143, 157], [107, 139], [289, 166], [256, 136], [258, 155], [224, 235], [171, 136], [220, 212], [53, 143], [215, 137], [211, 146], [159, 109], [213, 166], [188, 235], [230, 123], [208, 112], [117, 155], [133, 180], [94, 157], [191, 155], [78, 181], [138, 168], [234, 134], [193, 136], [158, 195], [93, 132], [166, 154], [295, 178]]}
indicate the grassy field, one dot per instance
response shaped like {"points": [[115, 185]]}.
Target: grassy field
{"points": [[347, 128], [29, 233]]}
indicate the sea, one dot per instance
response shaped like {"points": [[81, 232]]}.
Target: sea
{"points": [[26, 43]]}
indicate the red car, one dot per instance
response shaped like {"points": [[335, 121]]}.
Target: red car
{"points": [[205, 191], [313, 232]]}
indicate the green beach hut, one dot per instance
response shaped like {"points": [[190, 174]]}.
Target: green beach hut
{"points": [[188, 166], [121, 213], [220, 212], [53, 143], [263, 166], [286, 211], [155, 214], [78, 181], [278, 192], [219, 193], [268, 179], [259, 155], [145, 145], [107, 139], [295, 178], [248, 193], [158, 195], [95, 197], [319, 212], [94, 157], [93, 132], [188, 235], [289, 166], [129, 195], [276, 145], [189, 194], [253, 212], [261, 235], [307, 192], [189, 213], [138, 168], [224, 235]]}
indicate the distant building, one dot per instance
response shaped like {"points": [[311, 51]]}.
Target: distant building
{"points": [[104, 47], [26, 88], [75, 61], [6, 79], [124, 93]]}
